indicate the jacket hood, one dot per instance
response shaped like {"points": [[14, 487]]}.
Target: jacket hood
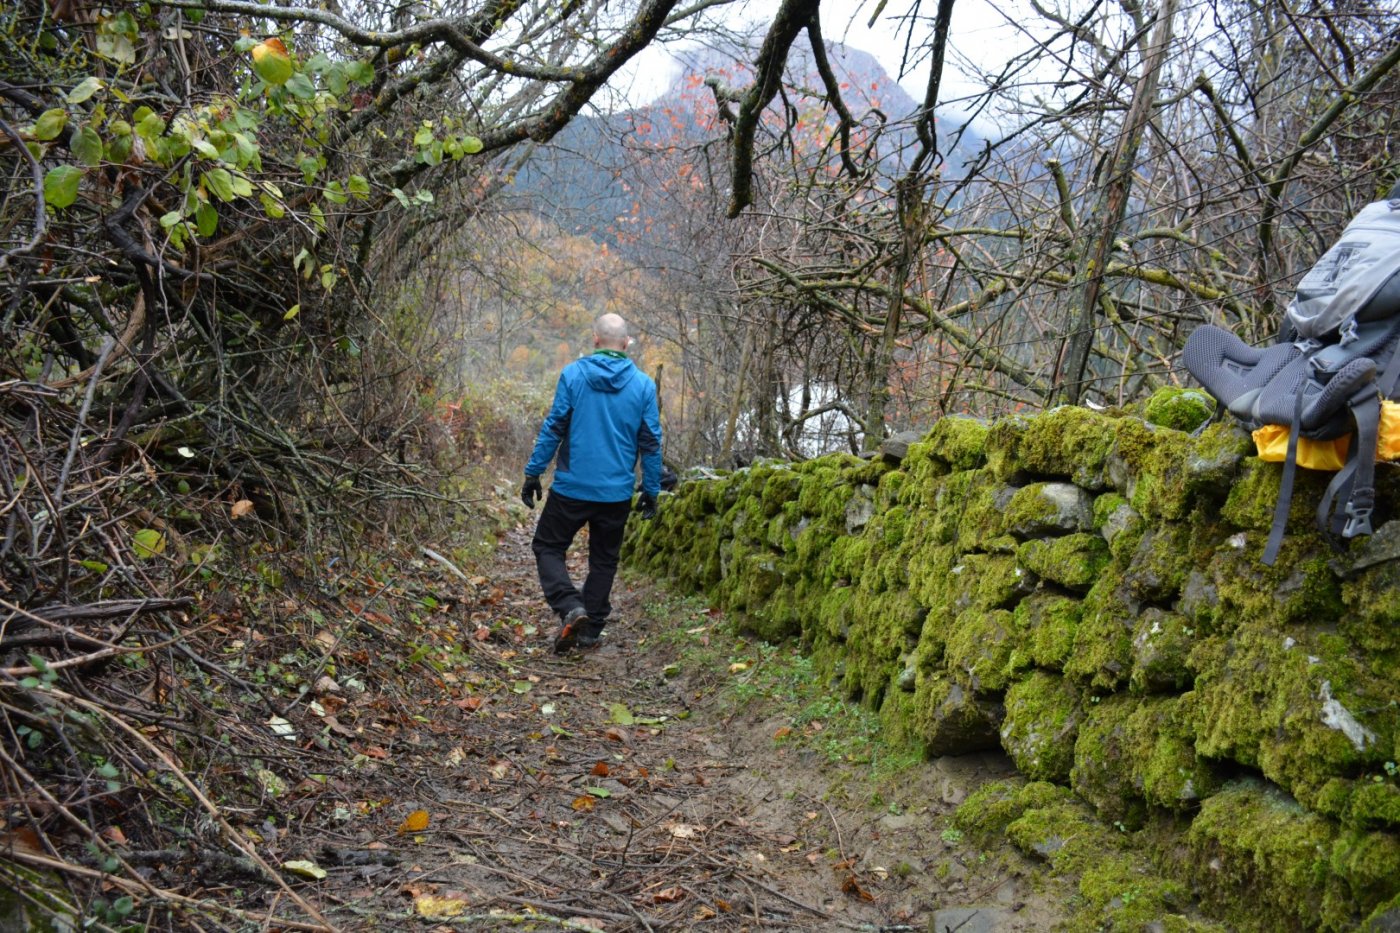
{"points": [[607, 373]]}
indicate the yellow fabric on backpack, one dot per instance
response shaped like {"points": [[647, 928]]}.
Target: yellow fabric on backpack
{"points": [[1272, 443]]}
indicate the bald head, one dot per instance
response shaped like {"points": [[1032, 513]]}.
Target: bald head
{"points": [[610, 332]]}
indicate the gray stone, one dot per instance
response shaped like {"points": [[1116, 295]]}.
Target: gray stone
{"points": [[1124, 518], [970, 920], [896, 448], [1379, 548], [1070, 509], [861, 509]]}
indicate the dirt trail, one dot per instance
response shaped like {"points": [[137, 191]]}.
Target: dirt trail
{"points": [[676, 778]]}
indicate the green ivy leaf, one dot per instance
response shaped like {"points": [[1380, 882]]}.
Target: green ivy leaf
{"points": [[424, 136], [87, 147], [471, 145], [220, 183], [147, 543], [358, 186], [361, 72], [335, 193], [85, 89], [150, 127], [61, 185], [206, 219], [272, 207], [50, 124], [301, 87]]}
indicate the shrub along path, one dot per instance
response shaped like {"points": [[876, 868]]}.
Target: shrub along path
{"points": [[678, 777]]}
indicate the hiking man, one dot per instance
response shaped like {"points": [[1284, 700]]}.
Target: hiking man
{"points": [[604, 416]]}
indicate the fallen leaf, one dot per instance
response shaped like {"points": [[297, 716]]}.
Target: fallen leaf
{"points": [[374, 751], [114, 834], [416, 822], [584, 803], [600, 769], [621, 714], [522, 686], [684, 830], [500, 769], [783, 732], [280, 727], [240, 508], [599, 791], [668, 895], [305, 869], [470, 704], [703, 913], [434, 907], [616, 735], [852, 887], [738, 666]]}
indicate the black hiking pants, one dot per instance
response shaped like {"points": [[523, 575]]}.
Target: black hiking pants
{"points": [[560, 520]]}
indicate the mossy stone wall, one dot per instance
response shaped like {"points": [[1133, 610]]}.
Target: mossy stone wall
{"points": [[1084, 590]]}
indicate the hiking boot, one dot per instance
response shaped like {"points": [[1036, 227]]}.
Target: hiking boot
{"points": [[568, 636], [590, 635]]}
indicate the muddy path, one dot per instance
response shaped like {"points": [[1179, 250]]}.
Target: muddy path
{"points": [[679, 777]]}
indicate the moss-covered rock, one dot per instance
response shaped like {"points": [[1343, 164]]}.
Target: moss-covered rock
{"points": [[1041, 725], [1265, 863], [1134, 752], [958, 443], [1162, 643], [1085, 589], [1046, 623], [949, 719], [1073, 561], [1182, 409], [979, 647], [1045, 509], [1300, 707]]}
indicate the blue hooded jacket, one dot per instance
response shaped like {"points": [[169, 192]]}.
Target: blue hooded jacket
{"points": [[604, 416]]}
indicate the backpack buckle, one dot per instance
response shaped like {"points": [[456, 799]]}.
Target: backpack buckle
{"points": [[1348, 332], [1358, 520]]}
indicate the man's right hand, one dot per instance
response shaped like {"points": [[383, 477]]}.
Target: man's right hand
{"points": [[531, 491], [646, 506]]}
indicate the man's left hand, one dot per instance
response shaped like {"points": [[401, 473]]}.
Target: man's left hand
{"points": [[531, 491], [646, 506]]}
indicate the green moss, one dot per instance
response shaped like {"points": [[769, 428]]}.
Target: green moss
{"points": [[1299, 707], [1265, 863], [1042, 509], [1375, 805], [979, 511], [1134, 752], [1073, 561], [1070, 443], [1162, 643], [979, 647], [1182, 409], [1102, 657], [1254, 496], [781, 487], [1042, 722], [1299, 587], [1045, 625], [1372, 618], [1157, 567], [958, 443], [948, 719], [1118, 889]]}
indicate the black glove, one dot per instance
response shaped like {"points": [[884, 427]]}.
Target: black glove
{"points": [[646, 506], [531, 491]]}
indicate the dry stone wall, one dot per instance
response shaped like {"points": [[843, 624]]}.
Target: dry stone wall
{"points": [[1084, 590]]}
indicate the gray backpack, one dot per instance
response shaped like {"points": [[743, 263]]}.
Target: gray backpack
{"points": [[1335, 360]]}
